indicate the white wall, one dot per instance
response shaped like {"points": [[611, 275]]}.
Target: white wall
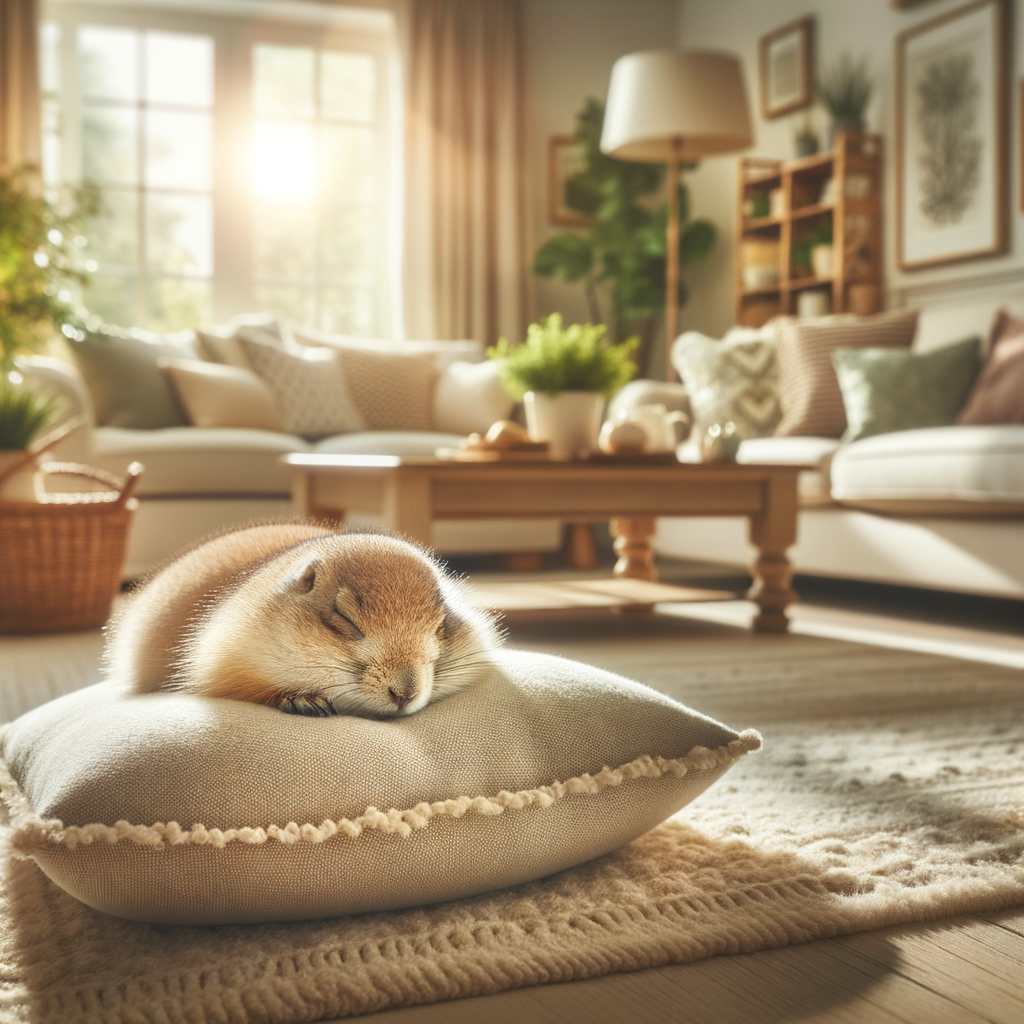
{"points": [[570, 48], [866, 27]]}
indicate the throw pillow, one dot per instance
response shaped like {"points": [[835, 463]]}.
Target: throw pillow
{"points": [[175, 808], [392, 390], [886, 390], [221, 396], [220, 344], [732, 379], [127, 387], [469, 398], [808, 389], [998, 395], [309, 387], [445, 352]]}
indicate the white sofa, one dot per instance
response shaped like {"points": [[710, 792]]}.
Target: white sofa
{"points": [[200, 480], [940, 508]]}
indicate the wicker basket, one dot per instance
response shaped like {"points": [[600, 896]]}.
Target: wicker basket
{"points": [[61, 557]]}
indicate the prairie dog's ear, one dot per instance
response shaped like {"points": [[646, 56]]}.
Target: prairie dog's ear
{"points": [[302, 578]]}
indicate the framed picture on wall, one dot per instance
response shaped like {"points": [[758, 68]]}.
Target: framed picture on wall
{"points": [[563, 162], [951, 137], [786, 66]]}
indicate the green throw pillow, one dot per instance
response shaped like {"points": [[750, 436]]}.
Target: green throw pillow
{"points": [[885, 390], [128, 388]]}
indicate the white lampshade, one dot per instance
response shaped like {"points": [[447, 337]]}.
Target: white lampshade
{"points": [[696, 97]]}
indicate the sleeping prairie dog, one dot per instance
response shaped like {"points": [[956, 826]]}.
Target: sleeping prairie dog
{"points": [[305, 619]]}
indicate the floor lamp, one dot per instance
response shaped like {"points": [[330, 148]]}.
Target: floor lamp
{"points": [[675, 106]]}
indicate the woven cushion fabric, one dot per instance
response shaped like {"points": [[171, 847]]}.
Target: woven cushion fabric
{"points": [[176, 808], [998, 394], [310, 389], [218, 343], [812, 405], [221, 396], [392, 390], [885, 391], [126, 385], [733, 379]]}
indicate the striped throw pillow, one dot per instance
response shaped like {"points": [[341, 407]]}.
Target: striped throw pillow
{"points": [[812, 405]]}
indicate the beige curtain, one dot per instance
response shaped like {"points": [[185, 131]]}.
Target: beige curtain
{"points": [[465, 212], [19, 83]]}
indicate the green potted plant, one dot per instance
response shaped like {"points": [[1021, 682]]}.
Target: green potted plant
{"points": [[845, 91], [620, 256], [563, 375], [40, 240]]}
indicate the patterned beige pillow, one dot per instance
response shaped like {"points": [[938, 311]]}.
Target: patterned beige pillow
{"points": [[392, 390], [220, 344], [309, 387], [812, 405], [176, 808], [221, 396], [732, 379]]}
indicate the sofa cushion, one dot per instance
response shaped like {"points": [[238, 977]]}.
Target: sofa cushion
{"points": [[388, 442], [469, 397], [218, 343], [127, 387], [216, 395], [940, 470], [808, 390], [444, 352], [182, 461], [998, 395], [813, 485]]}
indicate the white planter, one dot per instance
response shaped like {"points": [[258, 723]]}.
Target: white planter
{"points": [[570, 422], [21, 485]]}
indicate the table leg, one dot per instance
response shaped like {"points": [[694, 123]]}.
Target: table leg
{"points": [[407, 504], [580, 552], [633, 546], [773, 531]]}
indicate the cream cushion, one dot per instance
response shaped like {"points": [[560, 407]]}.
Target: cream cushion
{"points": [[219, 343], [221, 396], [181, 809], [469, 398], [813, 485], [444, 352], [940, 470]]}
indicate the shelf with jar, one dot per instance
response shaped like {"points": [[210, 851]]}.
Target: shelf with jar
{"points": [[809, 232]]}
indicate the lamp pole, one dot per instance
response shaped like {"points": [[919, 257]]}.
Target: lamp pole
{"points": [[672, 255]]}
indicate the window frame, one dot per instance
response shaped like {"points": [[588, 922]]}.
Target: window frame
{"points": [[371, 30]]}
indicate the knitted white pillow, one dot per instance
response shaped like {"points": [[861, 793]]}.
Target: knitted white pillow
{"points": [[181, 809]]}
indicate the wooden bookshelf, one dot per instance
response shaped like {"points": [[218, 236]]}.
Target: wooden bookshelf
{"points": [[850, 213]]}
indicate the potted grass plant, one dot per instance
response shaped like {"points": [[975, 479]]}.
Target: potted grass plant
{"points": [[845, 91], [563, 375], [24, 414]]}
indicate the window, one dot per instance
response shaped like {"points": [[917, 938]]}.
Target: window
{"points": [[241, 164]]}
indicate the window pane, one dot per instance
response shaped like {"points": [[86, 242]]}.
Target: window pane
{"points": [[283, 161], [347, 164], [347, 245], [173, 304], [348, 86], [108, 145], [283, 81], [113, 237], [295, 304], [285, 240], [348, 311], [49, 57], [179, 69], [51, 142], [108, 62], [114, 299], [179, 234], [178, 150]]}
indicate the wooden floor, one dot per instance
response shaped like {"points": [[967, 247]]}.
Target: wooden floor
{"points": [[964, 970]]}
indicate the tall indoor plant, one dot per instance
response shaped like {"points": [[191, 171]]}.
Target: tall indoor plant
{"points": [[563, 375], [844, 90], [622, 251]]}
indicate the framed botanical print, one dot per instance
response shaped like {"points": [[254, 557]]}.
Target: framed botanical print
{"points": [[786, 65], [563, 162], [951, 138]]}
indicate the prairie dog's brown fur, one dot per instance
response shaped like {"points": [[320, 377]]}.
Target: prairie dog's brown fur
{"points": [[303, 618]]}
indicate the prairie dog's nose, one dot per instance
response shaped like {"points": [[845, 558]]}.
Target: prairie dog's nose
{"points": [[406, 685]]}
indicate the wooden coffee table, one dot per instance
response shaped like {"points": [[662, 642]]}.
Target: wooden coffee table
{"points": [[411, 493]]}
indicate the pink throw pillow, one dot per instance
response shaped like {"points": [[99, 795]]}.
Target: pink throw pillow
{"points": [[998, 395]]}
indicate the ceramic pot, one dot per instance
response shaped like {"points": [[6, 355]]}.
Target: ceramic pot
{"points": [[821, 259], [806, 145], [570, 422], [21, 484]]}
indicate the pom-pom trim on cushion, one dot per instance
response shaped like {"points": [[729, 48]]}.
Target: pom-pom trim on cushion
{"points": [[31, 831]]}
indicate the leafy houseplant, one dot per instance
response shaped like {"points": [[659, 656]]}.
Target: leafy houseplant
{"points": [[844, 91], [564, 375], [622, 252]]}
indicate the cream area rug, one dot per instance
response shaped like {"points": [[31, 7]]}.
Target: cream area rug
{"points": [[890, 789]]}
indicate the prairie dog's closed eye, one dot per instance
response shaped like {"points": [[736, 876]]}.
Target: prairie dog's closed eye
{"points": [[306, 619]]}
